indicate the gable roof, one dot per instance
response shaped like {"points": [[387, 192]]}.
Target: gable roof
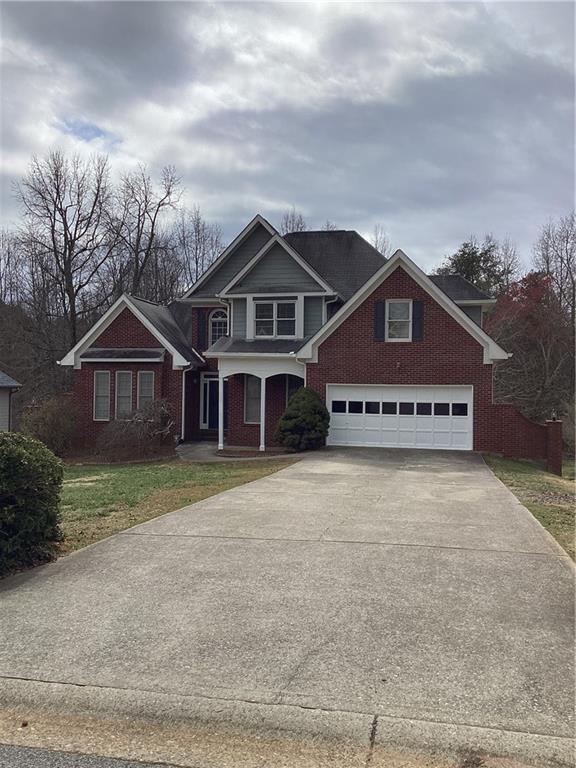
{"points": [[277, 239], [492, 351], [158, 319], [342, 257], [215, 266], [7, 382]]}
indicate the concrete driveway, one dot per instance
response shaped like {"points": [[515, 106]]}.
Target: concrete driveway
{"points": [[405, 593]]}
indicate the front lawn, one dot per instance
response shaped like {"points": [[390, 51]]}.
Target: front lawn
{"points": [[98, 501], [550, 498]]}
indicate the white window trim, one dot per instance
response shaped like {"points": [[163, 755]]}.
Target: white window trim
{"points": [[245, 392], [409, 320], [138, 387], [275, 318], [94, 396], [211, 317], [123, 418]]}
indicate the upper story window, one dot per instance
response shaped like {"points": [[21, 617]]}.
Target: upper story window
{"points": [[275, 319], [399, 320], [218, 325]]}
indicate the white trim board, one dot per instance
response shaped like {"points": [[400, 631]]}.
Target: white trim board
{"points": [[227, 251], [72, 357], [492, 351]]}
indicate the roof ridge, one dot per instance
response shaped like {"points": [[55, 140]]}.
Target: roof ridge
{"points": [[147, 301]]}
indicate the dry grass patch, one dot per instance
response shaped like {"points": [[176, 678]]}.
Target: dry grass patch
{"points": [[103, 500]]}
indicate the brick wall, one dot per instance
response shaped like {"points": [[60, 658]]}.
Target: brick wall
{"points": [[240, 433], [447, 355], [125, 331]]}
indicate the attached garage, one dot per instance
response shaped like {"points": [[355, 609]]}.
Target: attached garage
{"points": [[401, 416]]}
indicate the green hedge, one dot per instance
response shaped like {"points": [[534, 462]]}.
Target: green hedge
{"points": [[30, 483], [304, 425]]}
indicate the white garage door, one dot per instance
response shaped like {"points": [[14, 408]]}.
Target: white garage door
{"points": [[400, 417]]}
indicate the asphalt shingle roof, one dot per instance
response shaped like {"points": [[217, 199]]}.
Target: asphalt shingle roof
{"points": [[264, 346], [123, 353], [342, 257], [458, 288], [165, 323], [7, 382]]}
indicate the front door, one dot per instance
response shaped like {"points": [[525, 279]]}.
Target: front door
{"points": [[209, 402]]}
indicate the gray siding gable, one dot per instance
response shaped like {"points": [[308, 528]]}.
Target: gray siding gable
{"points": [[313, 311], [239, 318], [237, 260], [276, 271]]}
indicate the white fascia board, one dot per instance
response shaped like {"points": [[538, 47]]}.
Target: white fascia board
{"points": [[253, 355], [474, 302], [122, 360], [492, 351], [227, 251], [73, 356], [277, 239]]}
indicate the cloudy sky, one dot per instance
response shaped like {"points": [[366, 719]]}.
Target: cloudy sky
{"points": [[436, 120]]}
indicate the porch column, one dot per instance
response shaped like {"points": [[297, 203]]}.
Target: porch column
{"points": [[220, 411], [263, 414]]}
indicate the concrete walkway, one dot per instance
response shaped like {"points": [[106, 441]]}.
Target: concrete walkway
{"points": [[370, 597]]}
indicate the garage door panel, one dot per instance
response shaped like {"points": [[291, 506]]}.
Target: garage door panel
{"points": [[421, 417]]}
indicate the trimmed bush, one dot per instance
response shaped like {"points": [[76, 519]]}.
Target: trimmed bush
{"points": [[145, 433], [53, 422], [30, 482], [304, 425]]}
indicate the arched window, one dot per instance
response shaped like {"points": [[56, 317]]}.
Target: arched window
{"points": [[218, 324]]}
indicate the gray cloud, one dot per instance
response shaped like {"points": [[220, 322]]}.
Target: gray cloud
{"points": [[435, 120]]}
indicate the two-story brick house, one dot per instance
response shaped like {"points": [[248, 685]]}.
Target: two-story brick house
{"points": [[400, 358]]}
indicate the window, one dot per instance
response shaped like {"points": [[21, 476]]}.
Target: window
{"points": [[338, 406], [252, 386], [441, 409], [389, 409], [218, 324], [275, 319], [406, 409], [372, 407], [355, 406], [101, 395], [145, 388], [459, 409], [123, 394], [398, 320], [424, 409]]}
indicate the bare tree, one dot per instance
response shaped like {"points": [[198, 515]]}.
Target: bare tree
{"points": [[10, 268], [139, 208], [292, 221], [329, 226], [198, 243], [381, 241], [510, 261], [66, 212], [555, 255]]}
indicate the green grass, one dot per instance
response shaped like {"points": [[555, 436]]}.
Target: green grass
{"points": [[550, 498], [98, 501]]}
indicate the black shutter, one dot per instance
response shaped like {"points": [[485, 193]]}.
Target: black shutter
{"points": [[417, 321], [202, 330], [380, 320]]}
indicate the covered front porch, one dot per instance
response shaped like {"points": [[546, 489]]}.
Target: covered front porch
{"points": [[257, 392]]}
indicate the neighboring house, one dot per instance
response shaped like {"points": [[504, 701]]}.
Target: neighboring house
{"points": [[7, 388], [399, 357]]}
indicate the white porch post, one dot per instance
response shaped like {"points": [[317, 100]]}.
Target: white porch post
{"points": [[263, 414], [220, 411]]}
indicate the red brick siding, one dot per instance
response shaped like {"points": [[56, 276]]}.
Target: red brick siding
{"points": [[447, 355], [240, 433], [125, 331]]}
